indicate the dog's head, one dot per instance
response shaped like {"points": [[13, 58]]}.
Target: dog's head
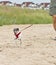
{"points": [[15, 30]]}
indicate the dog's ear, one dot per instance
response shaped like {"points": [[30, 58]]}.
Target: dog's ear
{"points": [[14, 30], [17, 29]]}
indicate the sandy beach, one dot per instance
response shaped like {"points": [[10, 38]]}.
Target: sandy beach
{"points": [[38, 45]]}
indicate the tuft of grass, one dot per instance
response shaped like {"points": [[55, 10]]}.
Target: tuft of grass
{"points": [[16, 15]]}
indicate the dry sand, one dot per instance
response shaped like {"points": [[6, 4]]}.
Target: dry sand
{"points": [[38, 45]]}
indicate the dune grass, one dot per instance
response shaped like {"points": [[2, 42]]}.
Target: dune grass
{"points": [[16, 15]]}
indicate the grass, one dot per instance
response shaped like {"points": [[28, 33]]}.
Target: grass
{"points": [[16, 15]]}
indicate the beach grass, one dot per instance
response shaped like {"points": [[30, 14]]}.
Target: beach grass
{"points": [[16, 15]]}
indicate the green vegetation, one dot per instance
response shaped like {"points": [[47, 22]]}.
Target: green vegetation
{"points": [[16, 15]]}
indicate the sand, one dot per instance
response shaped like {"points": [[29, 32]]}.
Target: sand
{"points": [[38, 45]]}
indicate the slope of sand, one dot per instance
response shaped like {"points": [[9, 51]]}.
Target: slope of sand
{"points": [[38, 45]]}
